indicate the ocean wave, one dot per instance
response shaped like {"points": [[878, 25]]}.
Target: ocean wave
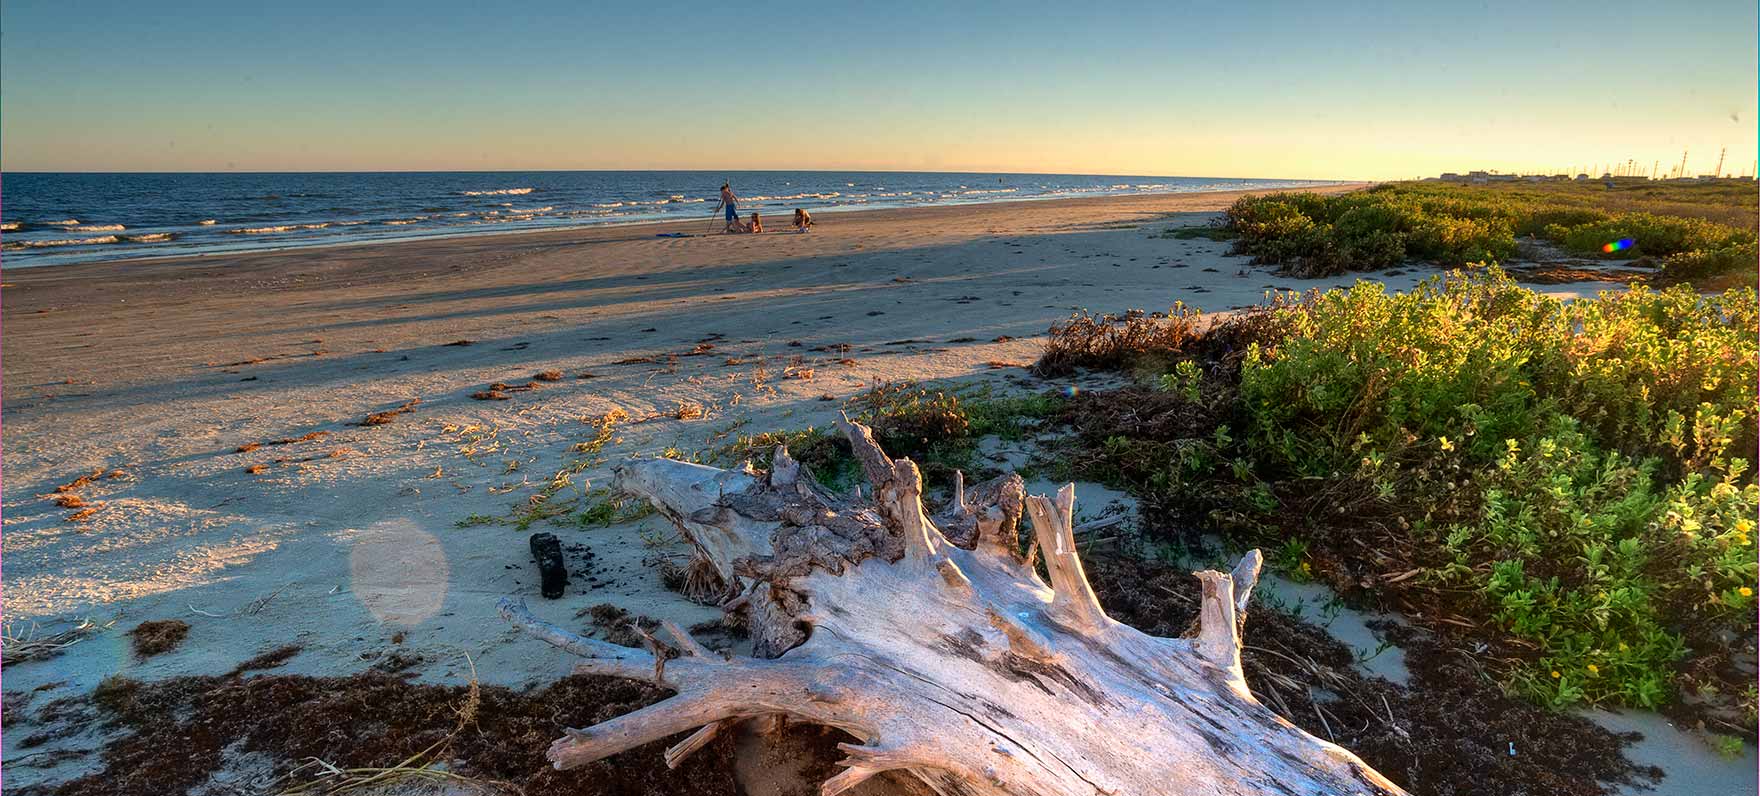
{"points": [[10, 226], [825, 195], [44, 244], [151, 237], [533, 210], [398, 222], [499, 192], [97, 228], [276, 229], [68, 223], [207, 222], [981, 191]]}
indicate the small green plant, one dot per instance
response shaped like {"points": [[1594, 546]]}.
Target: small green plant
{"points": [[1186, 379], [1292, 561], [603, 509], [1727, 747]]}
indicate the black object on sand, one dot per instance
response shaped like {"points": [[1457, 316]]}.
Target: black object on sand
{"points": [[548, 553]]}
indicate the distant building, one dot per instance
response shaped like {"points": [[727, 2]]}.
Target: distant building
{"points": [[1582, 176]]}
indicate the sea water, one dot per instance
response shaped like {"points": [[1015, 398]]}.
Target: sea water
{"points": [[52, 218]]}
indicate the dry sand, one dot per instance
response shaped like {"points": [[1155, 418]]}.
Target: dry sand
{"points": [[163, 369]]}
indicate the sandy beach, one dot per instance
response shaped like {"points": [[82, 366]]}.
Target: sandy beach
{"points": [[357, 541]]}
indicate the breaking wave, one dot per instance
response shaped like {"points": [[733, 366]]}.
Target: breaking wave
{"points": [[498, 192], [276, 229], [46, 244]]}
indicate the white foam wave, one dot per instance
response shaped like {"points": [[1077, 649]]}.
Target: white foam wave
{"points": [[276, 229], [498, 192], [10, 226], [207, 222], [97, 228], [68, 223], [44, 244], [151, 237], [826, 195]]}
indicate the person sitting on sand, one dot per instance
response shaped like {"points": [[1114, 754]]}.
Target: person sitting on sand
{"points": [[757, 224], [803, 221]]}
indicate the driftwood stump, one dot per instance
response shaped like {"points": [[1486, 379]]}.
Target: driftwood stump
{"points": [[934, 643]]}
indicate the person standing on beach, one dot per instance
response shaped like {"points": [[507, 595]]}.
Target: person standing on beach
{"points": [[730, 202]]}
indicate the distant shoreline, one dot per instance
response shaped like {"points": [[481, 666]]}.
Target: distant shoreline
{"points": [[693, 227]]}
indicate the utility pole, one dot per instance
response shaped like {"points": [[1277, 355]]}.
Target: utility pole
{"points": [[1683, 170], [1654, 173], [1719, 172]]}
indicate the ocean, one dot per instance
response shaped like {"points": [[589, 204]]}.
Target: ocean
{"points": [[54, 218]]}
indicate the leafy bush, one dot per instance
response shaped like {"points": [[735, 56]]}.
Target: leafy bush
{"points": [[1568, 475], [1597, 434], [1650, 235]]}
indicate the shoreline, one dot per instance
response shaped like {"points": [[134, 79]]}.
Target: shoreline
{"points": [[699, 223]]}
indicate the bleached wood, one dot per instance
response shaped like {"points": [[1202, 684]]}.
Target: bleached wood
{"points": [[943, 655]]}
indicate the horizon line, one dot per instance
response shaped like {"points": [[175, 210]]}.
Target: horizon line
{"points": [[724, 171]]}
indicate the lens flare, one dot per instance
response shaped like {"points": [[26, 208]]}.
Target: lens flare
{"points": [[1071, 391], [399, 572], [1617, 246]]}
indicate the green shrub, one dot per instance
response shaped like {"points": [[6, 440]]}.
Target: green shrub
{"points": [[1650, 235], [1689, 227], [1597, 435], [1736, 258], [1572, 476]]}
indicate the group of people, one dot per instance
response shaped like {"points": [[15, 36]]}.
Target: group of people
{"points": [[803, 220]]}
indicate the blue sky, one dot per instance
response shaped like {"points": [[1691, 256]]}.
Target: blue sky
{"points": [[1324, 90]]}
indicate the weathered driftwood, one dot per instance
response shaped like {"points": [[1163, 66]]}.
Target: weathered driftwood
{"points": [[935, 645]]}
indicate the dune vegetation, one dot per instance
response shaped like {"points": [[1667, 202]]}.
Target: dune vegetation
{"points": [[1689, 231], [1565, 483]]}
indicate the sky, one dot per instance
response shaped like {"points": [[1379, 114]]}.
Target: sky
{"points": [[1334, 90]]}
